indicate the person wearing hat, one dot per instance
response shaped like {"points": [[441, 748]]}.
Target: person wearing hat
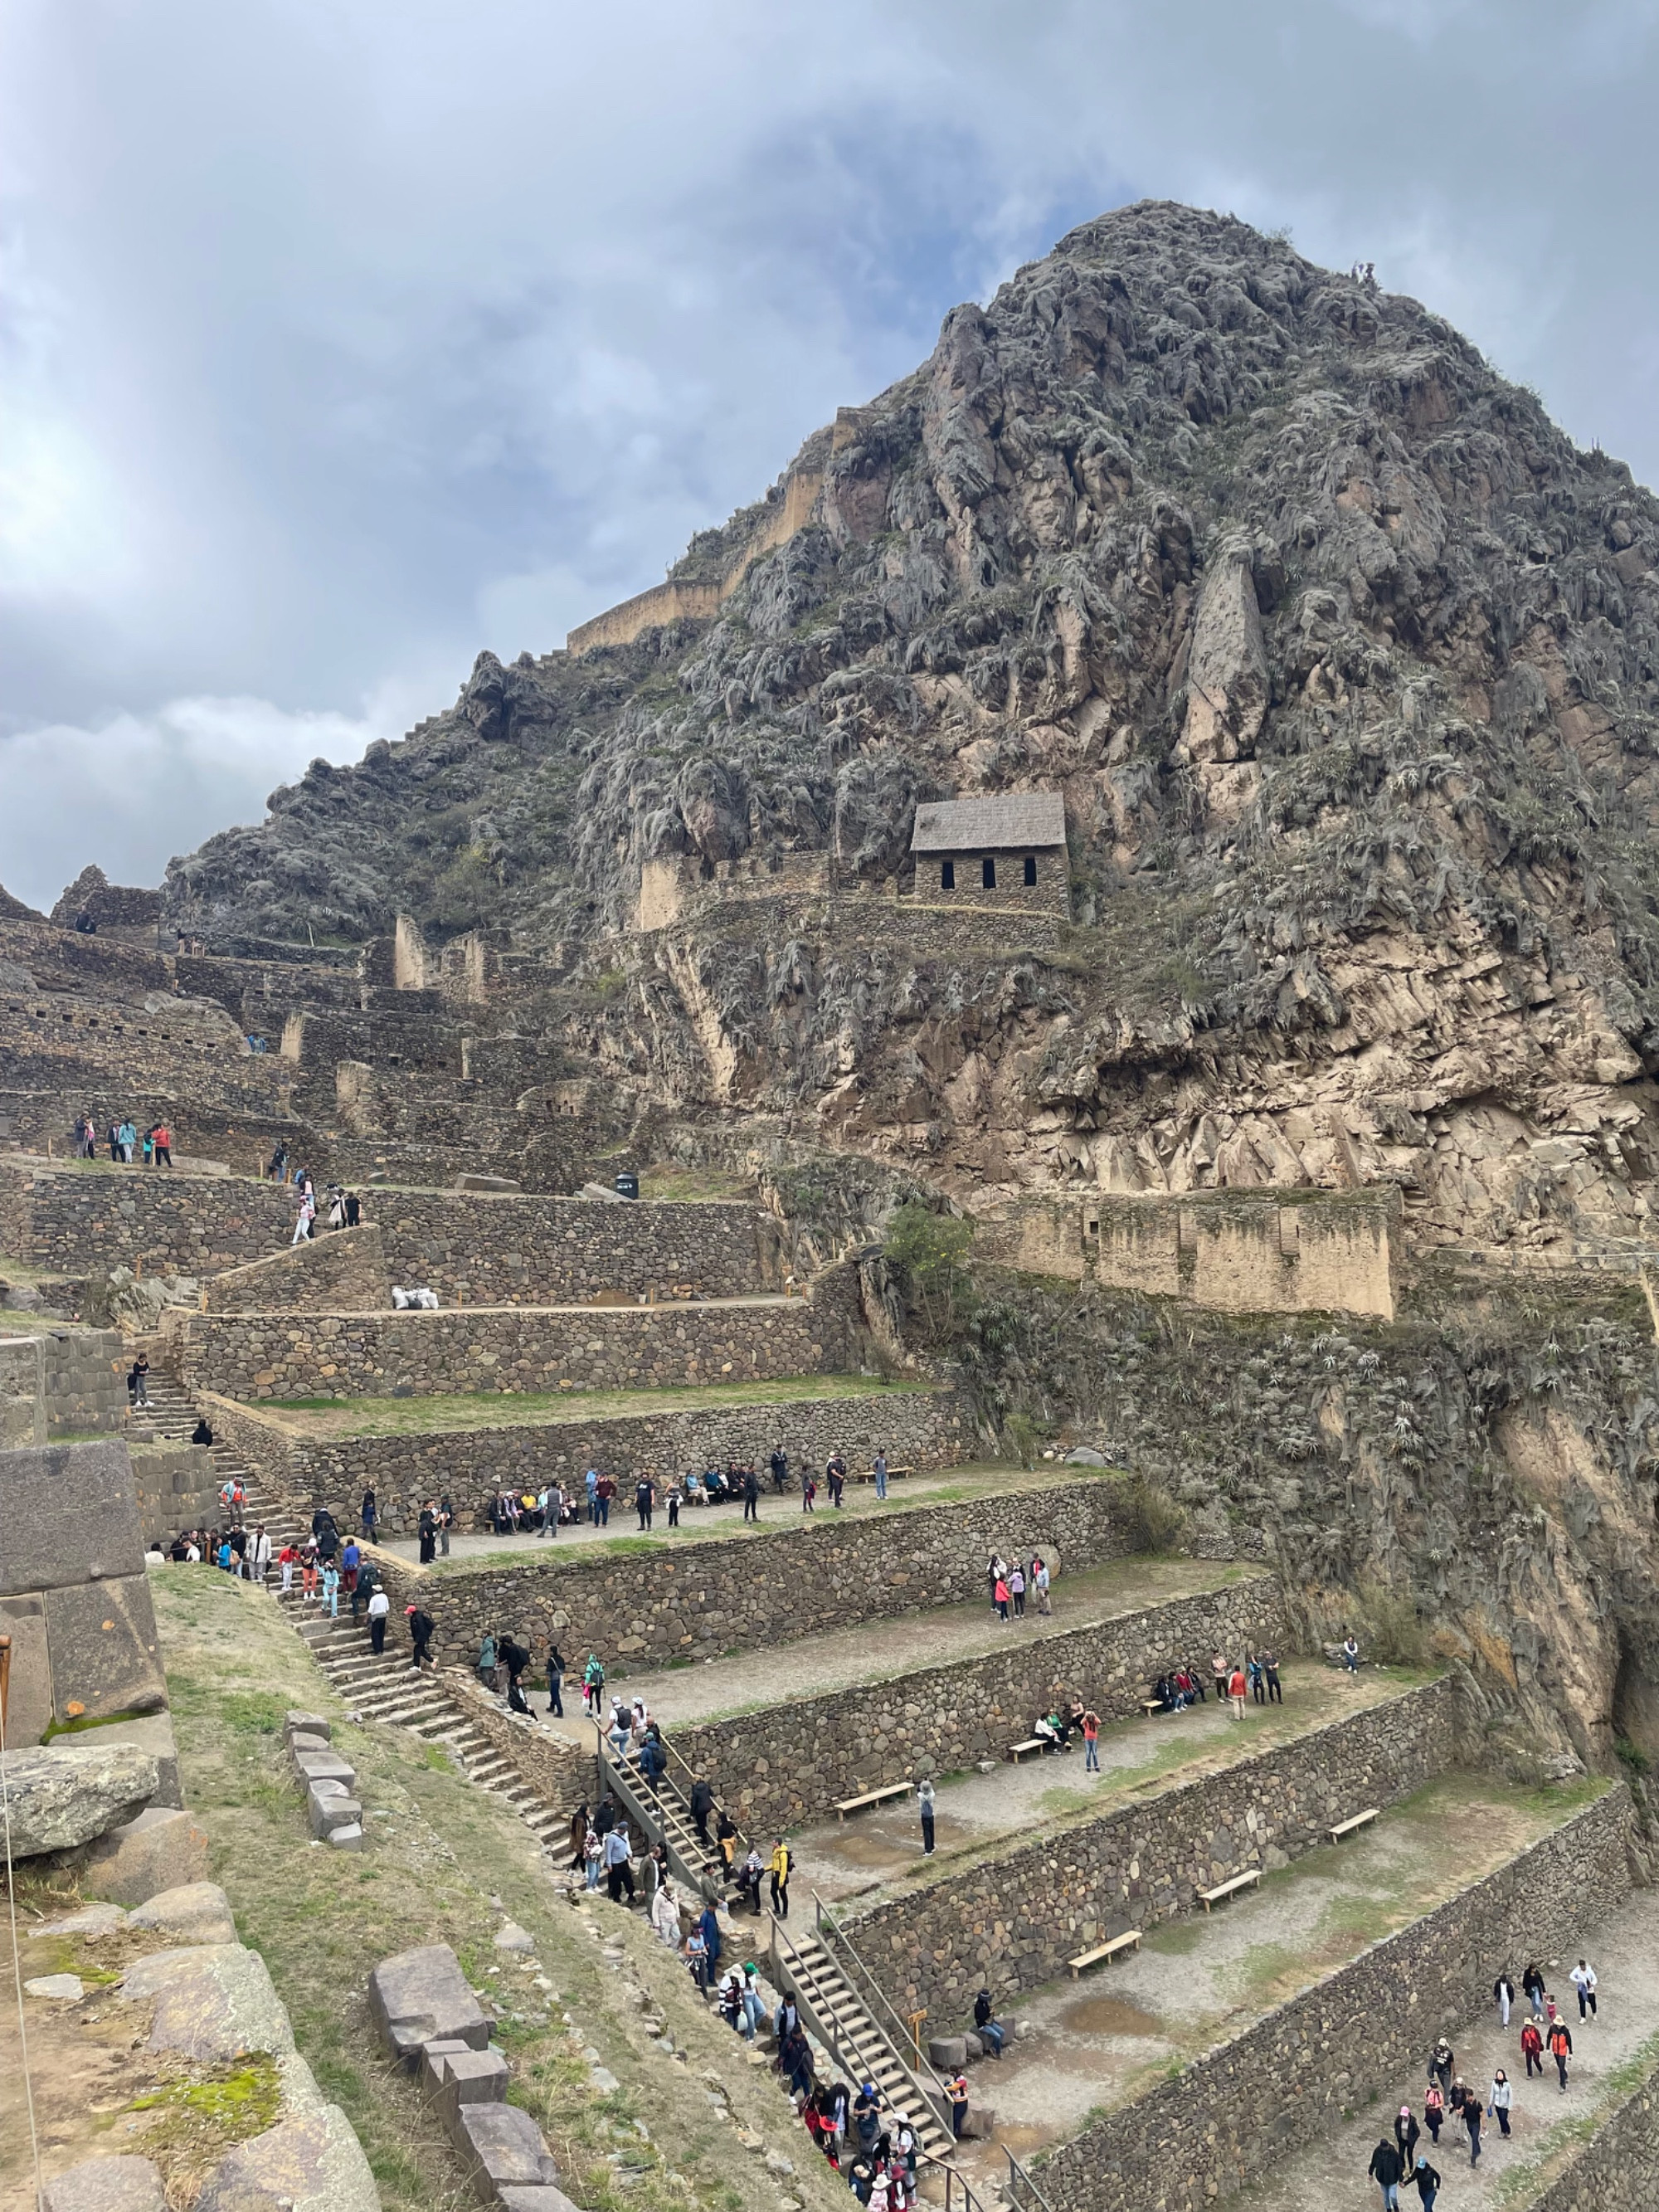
{"points": [[1428, 2182], [1387, 2170], [1406, 2135], [754, 2011]]}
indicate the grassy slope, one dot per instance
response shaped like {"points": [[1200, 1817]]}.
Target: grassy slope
{"points": [[321, 1919]]}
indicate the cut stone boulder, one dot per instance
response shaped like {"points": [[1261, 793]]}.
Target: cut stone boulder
{"points": [[311, 2163], [947, 2053], [61, 1796], [347, 1838], [504, 2148], [326, 1766], [469, 2077], [153, 1734], [199, 1912], [160, 1849], [298, 1723], [107, 2185], [212, 2002], [981, 2123], [422, 1996], [331, 1807], [90, 1922]]}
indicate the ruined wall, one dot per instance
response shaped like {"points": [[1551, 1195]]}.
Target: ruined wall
{"points": [[914, 1428], [1209, 2128], [22, 1393], [1619, 2165], [560, 1772], [491, 1348], [343, 1272], [175, 1487], [784, 1765], [80, 1221], [317, 1042], [697, 1601], [1249, 1252], [1013, 1921]]}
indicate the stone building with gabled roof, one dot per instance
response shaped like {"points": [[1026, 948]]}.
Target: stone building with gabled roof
{"points": [[1007, 849]]}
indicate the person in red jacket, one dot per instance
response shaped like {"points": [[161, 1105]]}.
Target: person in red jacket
{"points": [[1532, 2048], [1561, 2049]]}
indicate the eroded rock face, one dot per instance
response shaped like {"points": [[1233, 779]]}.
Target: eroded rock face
{"points": [[58, 1797]]}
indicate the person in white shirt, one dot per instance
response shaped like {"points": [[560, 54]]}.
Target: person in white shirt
{"points": [[379, 1605], [1583, 1980]]}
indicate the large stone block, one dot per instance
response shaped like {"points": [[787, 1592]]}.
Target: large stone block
{"points": [[469, 2077], [211, 2003], [422, 1996], [163, 1849], [331, 1806], [64, 1511], [311, 2163], [504, 2148], [28, 1706], [199, 1912], [153, 1734], [60, 1796], [105, 1656], [107, 2185]]}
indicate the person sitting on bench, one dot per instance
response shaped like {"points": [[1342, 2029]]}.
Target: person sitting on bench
{"points": [[989, 2029], [1053, 1730]]}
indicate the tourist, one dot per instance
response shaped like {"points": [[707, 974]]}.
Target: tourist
{"points": [[427, 1528], [261, 1553], [1532, 2049], [878, 1468], [554, 1682], [1017, 1589], [809, 1490], [1434, 2110], [225, 1555], [1501, 2101], [1560, 2049], [593, 1856], [306, 1217], [1428, 2183], [703, 1804], [749, 1880], [276, 1169], [607, 1491], [834, 1477], [592, 1686], [308, 1571], [987, 2027], [1472, 2118], [487, 1661], [1502, 1991], [665, 1915], [591, 1485], [137, 1375], [957, 2090], [1000, 1594], [1258, 1685], [1583, 1980], [379, 1604], [1386, 2170], [1406, 2134], [1270, 1674], [754, 2008], [203, 1432], [1039, 1582], [1351, 1652], [331, 1588], [288, 1558], [1442, 2065], [778, 1464], [697, 1955], [515, 1658], [446, 1522], [1532, 1988], [354, 1210], [645, 1498], [780, 1866], [127, 1135], [367, 1512], [420, 1628], [1236, 1685], [350, 1560], [750, 1496], [708, 1921], [161, 1143], [925, 1805]]}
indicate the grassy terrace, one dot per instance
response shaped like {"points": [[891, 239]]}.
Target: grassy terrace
{"points": [[319, 1420]]}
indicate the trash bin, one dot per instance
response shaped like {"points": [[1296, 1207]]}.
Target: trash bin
{"points": [[628, 1184]]}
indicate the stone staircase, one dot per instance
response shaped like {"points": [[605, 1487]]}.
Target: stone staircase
{"points": [[170, 1418], [388, 1690]]}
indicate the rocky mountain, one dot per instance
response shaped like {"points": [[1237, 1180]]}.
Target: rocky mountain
{"points": [[1345, 660]]}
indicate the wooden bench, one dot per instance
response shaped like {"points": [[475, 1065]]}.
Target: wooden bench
{"points": [[1247, 1880], [1128, 1941], [1032, 1743], [873, 1797], [1356, 1822], [1150, 1706], [868, 1473]]}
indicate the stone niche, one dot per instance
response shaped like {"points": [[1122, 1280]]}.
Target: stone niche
{"points": [[73, 1592]]}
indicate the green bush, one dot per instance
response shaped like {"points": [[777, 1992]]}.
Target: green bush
{"points": [[930, 1249], [1390, 1629], [1152, 1519]]}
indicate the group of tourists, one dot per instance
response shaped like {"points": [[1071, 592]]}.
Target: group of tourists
{"points": [[1012, 1583], [1451, 2102], [553, 1506], [153, 1149], [243, 1553], [1254, 1674]]}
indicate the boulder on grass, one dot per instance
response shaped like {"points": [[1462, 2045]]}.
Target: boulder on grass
{"points": [[160, 1849], [422, 1996], [63, 1795], [504, 2147]]}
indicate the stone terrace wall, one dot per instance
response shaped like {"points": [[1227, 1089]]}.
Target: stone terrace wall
{"points": [[780, 1766], [77, 1223], [1209, 2128], [176, 1487], [491, 1348], [343, 1272], [507, 1250], [916, 1428], [57, 1382], [1618, 2165], [1012, 1922], [560, 1773], [695, 1601]]}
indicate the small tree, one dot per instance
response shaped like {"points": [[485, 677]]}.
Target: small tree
{"points": [[931, 1249]]}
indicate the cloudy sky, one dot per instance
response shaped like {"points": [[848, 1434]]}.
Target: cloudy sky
{"points": [[339, 338]]}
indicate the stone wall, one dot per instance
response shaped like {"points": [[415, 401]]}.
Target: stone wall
{"points": [[1051, 894], [697, 1601], [60, 1382], [916, 1428], [343, 1272], [1251, 1252], [176, 1486], [77, 1222], [1209, 2128], [491, 1349], [560, 1772], [1012, 1922], [22, 1393], [491, 1249], [1619, 2164], [785, 1764]]}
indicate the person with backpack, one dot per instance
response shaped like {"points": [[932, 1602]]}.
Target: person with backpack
{"points": [[1560, 2049], [554, 1682], [1434, 2112], [1017, 1589]]}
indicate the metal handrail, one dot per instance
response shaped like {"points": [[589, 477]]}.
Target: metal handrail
{"points": [[825, 2029], [938, 2097], [613, 1777], [1019, 2180], [678, 1758], [955, 2179]]}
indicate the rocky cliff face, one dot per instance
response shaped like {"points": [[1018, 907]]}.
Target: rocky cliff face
{"points": [[1345, 659]]}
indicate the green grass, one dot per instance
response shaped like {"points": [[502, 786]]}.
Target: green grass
{"points": [[326, 1419]]}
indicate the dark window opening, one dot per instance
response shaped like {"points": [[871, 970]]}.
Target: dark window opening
{"points": [[987, 872], [947, 875], [1030, 870]]}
